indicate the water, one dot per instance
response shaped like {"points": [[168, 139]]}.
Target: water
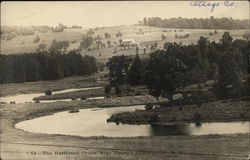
{"points": [[27, 98], [93, 122]]}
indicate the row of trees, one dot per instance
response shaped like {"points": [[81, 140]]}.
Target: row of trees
{"points": [[197, 23], [177, 66], [10, 32], [44, 66]]}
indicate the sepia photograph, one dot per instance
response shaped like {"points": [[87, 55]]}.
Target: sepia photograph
{"points": [[125, 80]]}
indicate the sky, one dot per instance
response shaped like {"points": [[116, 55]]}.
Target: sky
{"points": [[110, 13]]}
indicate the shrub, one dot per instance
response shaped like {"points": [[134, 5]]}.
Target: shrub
{"points": [[118, 90], [48, 93], [36, 40], [230, 91], [83, 98], [148, 107], [202, 97], [154, 118], [244, 115], [119, 34], [107, 89], [197, 116]]}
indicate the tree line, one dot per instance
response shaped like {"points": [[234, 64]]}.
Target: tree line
{"points": [[196, 23], [177, 66], [30, 67], [10, 32]]}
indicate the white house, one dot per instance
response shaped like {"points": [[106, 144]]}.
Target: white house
{"points": [[130, 42]]}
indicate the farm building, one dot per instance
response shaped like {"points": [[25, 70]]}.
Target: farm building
{"points": [[130, 42]]}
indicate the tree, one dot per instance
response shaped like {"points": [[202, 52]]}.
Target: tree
{"points": [[118, 34], [59, 28], [107, 89], [226, 40], [58, 46], [163, 37], [120, 42], [145, 21], [203, 44], [164, 74], [135, 72], [87, 42], [107, 35], [36, 40], [109, 43], [229, 82], [36, 66], [118, 67], [88, 65], [246, 36], [41, 47], [137, 50]]}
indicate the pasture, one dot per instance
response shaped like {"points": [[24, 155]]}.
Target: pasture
{"points": [[144, 34]]}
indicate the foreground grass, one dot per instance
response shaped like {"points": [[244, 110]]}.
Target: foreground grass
{"points": [[17, 144]]}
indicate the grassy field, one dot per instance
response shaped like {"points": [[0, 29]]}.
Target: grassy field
{"points": [[74, 95], [54, 85], [126, 91], [23, 44]]}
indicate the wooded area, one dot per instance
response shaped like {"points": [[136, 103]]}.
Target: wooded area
{"points": [[30, 67]]}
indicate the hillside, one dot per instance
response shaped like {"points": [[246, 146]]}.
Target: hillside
{"points": [[144, 34]]}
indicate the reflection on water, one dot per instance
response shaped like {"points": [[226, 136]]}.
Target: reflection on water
{"points": [[203, 129], [27, 98], [169, 129], [93, 122]]}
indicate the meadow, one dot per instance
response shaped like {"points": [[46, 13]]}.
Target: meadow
{"points": [[144, 34]]}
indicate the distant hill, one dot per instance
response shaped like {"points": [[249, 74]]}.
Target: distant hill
{"points": [[145, 34]]}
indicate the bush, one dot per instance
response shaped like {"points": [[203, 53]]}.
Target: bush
{"points": [[231, 91], [119, 34], [198, 97], [148, 107], [107, 89], [197, 116], [154, 118], [202, 97], [83, 98], [36, 40], [244, 115], [118, 90], [48, 93]]}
